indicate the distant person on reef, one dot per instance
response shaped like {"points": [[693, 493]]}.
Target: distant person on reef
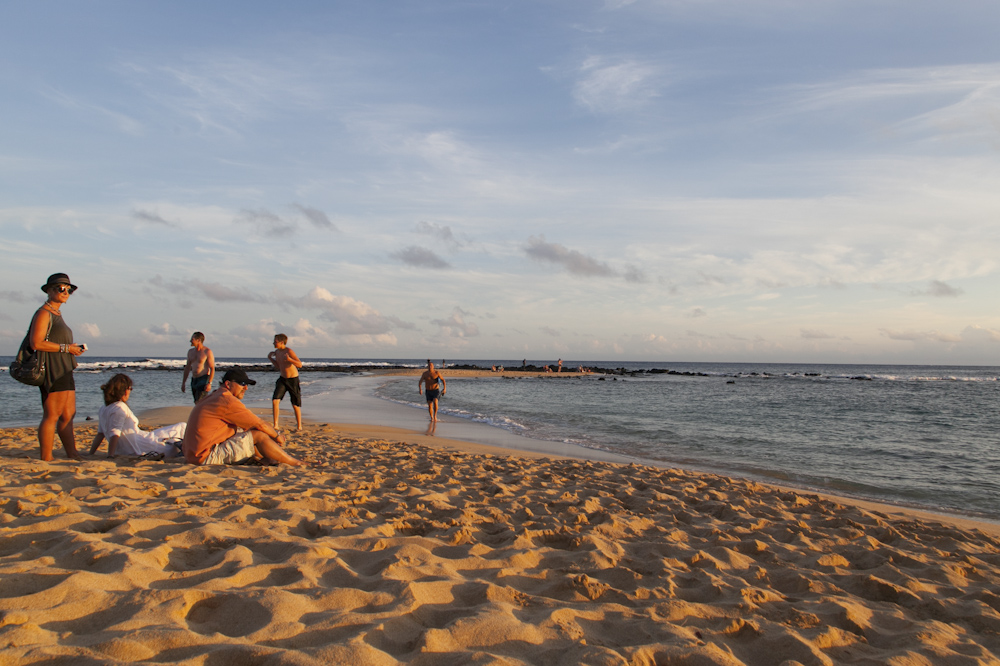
{"points": [[560, 365], [222, 431], [288, 364], [436, 387], [200, 365]]}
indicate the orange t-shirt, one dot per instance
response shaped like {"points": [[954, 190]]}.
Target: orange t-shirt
{"points": [[213, 420]]}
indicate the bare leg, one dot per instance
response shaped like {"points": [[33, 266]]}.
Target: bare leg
{"points": [[269, 448], [57, 417], [430, 409], [434, 410], [298, 417], [47, 428], [274, 411]]}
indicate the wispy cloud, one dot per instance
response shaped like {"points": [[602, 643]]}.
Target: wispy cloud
{"points": [[919, 336], [455, 326], [212, 290], [441, 232], [635, 275], [318, 218], [91, 330], [125, 123], [161, 333], [420, 257], [351, 316], [573, 261], [957, 100], [814, 334], [939, 289], [224, 93], [300, 332], [267, 223], [606, 85], [14, 296], [152, 218]]}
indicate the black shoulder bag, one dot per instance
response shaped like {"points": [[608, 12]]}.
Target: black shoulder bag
{"points": [[28, 367]]}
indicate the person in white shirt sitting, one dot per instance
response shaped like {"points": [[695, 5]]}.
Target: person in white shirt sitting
{"points": [[120, 427]]}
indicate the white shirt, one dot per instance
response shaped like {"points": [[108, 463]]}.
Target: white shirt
{"points": [[118, 419]]}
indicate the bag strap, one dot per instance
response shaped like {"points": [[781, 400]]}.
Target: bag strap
{"points": [[27, 338]]}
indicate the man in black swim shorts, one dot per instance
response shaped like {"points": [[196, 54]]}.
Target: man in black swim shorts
{"points": [[287, 363], [436, 387]]}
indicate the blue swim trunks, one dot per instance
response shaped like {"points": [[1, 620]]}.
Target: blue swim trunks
{"points": [[198, 386]]}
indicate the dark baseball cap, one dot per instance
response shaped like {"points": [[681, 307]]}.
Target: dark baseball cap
{"points": [[238, 375]]}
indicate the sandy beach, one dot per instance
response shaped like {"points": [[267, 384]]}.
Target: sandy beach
{"points": [[397, 548]]}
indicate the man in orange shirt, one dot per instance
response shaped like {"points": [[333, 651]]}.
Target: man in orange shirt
{"points": [[222, 431]]}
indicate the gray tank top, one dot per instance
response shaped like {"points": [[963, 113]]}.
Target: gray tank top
{"points": [[59, 363]]}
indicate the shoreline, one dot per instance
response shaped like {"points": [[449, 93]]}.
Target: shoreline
{"points": [[168, 415]]}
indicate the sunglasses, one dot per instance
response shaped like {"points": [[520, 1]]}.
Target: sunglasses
{"points": [[240, 383], [64, 290]]}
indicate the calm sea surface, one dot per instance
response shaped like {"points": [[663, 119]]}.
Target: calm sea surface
{"points": [[924, 436]]}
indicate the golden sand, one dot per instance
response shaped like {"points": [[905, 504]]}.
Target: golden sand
{"points": [[392, 552]]}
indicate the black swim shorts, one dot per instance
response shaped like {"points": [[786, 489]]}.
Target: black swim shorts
{"points": [[290, 384], [432, 394]]}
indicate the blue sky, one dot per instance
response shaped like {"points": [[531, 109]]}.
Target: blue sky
{"points": [[697, 180]]}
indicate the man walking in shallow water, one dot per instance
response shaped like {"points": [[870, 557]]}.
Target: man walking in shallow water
{"points": [[436, 386], [200, 365]]}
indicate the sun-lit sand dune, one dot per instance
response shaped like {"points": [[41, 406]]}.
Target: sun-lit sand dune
{"points": [[385, 552]]}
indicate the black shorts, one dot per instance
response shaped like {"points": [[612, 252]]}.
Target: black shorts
{"points": [[290, 384], [63, 383], [432, 394]]}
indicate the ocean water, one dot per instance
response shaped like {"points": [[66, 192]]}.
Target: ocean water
{"points": [[156, 383], [921, 436]]}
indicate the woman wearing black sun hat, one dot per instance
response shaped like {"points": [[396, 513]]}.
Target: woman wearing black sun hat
{"points": [[50, 334]]}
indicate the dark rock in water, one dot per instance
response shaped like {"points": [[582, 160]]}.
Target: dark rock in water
{"points": [[89, 418], [731, 381]]}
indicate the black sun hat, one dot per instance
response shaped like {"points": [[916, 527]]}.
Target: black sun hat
{"points": [[59, 278]]}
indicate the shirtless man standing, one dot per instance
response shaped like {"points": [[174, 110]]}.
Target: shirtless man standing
{"points": [[200, 365], [288, 364], [431, 379]]}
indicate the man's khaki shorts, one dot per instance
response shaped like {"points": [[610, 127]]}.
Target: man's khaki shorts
{"points": [[235, 449]]}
